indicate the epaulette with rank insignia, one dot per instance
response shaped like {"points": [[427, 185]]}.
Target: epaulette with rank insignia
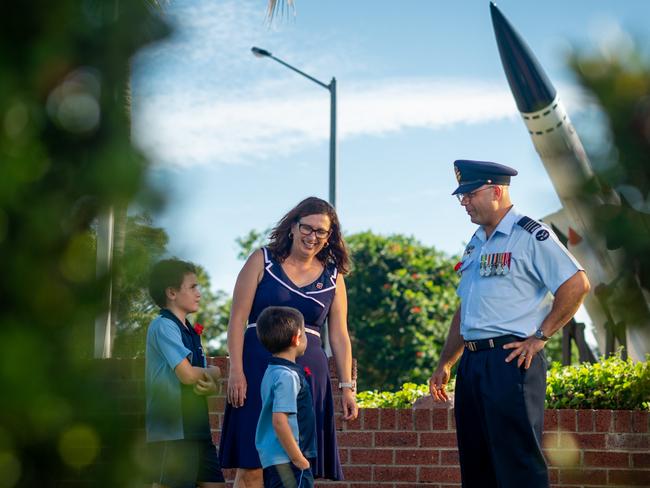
{"points": [[529, 224]]}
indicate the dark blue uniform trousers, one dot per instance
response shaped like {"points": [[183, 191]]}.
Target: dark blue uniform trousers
{"points": [[499, 412]]}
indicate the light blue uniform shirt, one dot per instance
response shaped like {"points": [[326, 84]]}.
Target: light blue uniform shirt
{"points": [[518, 301], [164, 351], [281, 390]]}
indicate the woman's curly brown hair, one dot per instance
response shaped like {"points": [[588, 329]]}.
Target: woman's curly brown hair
{"points": [[336, 251]]}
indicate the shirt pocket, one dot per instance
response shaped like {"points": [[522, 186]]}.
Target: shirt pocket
{"points": [[466, 271], [499, 285]]}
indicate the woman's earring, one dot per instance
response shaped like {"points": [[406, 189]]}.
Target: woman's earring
{"points": [[326, 244], [291, 236]]}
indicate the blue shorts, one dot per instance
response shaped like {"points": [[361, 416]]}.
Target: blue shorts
{"points": [[183, 463], [287, 476]]}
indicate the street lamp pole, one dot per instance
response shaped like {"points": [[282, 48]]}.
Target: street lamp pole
{"points": [[263, 53]]}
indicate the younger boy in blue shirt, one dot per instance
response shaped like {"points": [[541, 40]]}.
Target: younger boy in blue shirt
{"points": [[286, 430], [181, 452]]}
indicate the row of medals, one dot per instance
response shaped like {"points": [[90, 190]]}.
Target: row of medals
{"points": [[495, 264]]}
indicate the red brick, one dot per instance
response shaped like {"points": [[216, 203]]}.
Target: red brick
{"points": [[438, 439], [422, 419], [351, 424], [606, 459], [641, 459], [553, 475], [388, 419], [438, 475], [449, 457], [371, 456], [357, 473], [439, 419], [567, 458], [640, 422], [417, 456], [550, 440], [629, 477], [405, 419], [343, 456], [550, 420], [623, 421], [567, 420], [585, 420], [452, 419], [370, 418], [392, 473], [602, 420], [397, 439], [586, 476], [355, 439], [216, 404], [591, 441], [628, 441]]}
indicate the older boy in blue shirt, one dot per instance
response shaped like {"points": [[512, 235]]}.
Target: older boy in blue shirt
{"points": [[181, 451], [286, 430]]}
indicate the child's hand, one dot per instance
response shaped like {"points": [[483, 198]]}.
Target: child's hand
{"points": [[206, 386], [301, 463]]}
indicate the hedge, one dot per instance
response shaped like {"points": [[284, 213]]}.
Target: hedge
{"points": [[611, 383]]}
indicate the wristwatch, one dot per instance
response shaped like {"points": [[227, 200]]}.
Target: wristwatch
{"points": [[540, 335], [348, 384]]}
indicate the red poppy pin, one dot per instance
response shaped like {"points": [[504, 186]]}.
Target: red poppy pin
{"points": [[198, 328], [458, 265], [307, 371]]}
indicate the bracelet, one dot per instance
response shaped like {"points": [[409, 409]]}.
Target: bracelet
{"points": [[348, 384]]}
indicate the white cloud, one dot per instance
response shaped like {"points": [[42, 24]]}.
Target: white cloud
{"points": [[186, 129]]}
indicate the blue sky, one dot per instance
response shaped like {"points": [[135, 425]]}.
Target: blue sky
{"points": [[236, 141]]}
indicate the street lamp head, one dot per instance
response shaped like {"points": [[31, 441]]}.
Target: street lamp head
{"points": [[259, 52]]}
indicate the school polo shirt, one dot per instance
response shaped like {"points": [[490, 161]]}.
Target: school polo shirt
{"points": [[517, 299], [173, 410], [285, 389]]}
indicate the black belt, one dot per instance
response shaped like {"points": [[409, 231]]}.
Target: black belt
{"points": [[482, 344]]}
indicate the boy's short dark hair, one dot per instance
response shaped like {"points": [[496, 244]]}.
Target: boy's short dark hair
{"points": [[276, 326], [167, 273]]}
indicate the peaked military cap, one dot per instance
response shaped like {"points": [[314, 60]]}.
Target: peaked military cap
{"points": [[474, 174]]}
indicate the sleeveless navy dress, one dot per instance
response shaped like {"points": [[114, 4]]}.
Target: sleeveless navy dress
{"points": [[237, 444]]}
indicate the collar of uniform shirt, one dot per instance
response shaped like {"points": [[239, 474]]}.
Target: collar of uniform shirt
{"points": [[504, 227]]}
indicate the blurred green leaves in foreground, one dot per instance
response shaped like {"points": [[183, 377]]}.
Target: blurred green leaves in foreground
{"points": [[65, 157], [618, 79]]}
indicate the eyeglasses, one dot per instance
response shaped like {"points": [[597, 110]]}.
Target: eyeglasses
{"points": [[306, 230], [471, 194]]}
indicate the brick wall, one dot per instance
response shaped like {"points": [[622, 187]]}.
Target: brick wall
{"points": [[417, 447]]}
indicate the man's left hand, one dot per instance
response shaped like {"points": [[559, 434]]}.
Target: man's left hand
{"points": [[524, 351], [206, 386]]}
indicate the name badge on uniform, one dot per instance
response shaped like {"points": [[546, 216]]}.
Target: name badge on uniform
{"points": [[496, 264]]}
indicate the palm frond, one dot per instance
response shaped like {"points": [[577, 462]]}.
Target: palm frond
{"points": [[280, 6]]}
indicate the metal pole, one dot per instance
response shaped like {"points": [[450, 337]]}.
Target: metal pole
{"points": [[105, 237], [332, 194]]}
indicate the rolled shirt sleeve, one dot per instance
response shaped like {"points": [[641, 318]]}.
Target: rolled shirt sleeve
{"points": [[169, 342]]}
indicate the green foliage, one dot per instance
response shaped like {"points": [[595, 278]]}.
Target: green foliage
{"points": [[611, 383], [404, 398], [144, 245], [65, 156], [251, 242], [619, 82], [401, 297]]}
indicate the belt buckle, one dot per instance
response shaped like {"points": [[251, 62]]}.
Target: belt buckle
{"points": [[471, 345]]}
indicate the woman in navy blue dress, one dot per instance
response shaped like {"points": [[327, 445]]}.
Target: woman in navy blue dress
{"points": [[302, 267]]}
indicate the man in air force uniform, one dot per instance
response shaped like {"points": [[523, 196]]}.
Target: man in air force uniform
{"points": [[518, 286]]}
